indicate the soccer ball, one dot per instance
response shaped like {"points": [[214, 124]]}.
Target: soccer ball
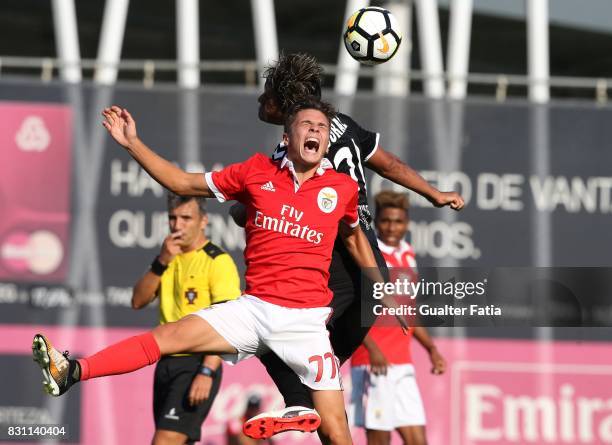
{"points": [[372, 35]]}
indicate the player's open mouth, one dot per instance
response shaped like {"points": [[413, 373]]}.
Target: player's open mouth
{"points": [[311, 145]]}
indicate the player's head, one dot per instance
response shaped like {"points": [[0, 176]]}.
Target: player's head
{"points": [[391, 216], [291, 79], [307, 132], [187, 214]]}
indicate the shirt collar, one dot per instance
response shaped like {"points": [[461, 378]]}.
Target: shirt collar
{"points": [[403, 246], [384, 248], [325, 165]]}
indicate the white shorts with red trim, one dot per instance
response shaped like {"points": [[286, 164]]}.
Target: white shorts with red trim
{"points": [[298, 336], [386, 402]]}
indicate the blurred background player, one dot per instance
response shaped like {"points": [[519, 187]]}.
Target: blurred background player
{"points": [[385, 394], [292, 78], [234, 433], [190, 274]]}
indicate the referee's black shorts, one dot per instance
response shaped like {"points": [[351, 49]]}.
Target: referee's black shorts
{"points": [[171, 409]]}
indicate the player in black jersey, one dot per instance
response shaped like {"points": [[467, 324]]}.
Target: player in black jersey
{"points": [[290, 80]]}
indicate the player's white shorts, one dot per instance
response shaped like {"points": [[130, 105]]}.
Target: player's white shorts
{"points": [[298, 336], [386, 402]]}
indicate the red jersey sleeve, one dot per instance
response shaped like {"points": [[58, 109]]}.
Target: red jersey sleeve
{"points": [[229, 183], [351, 217]]}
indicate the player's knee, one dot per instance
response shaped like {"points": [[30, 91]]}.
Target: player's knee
{"points": [[414, 442], [174, 337], [167, 437], [418, 440], [165, 336], [417, 437], [334, 431], [376, 437], [336, 438]]}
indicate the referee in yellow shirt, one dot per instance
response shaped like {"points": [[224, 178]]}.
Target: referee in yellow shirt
{"points": [[189, 274]]}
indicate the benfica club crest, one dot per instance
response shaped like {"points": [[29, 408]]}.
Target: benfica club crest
{"points": [[191, 294], [327, 199]]}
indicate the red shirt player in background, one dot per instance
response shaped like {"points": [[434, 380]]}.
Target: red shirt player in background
{"points": [[385, 393]]}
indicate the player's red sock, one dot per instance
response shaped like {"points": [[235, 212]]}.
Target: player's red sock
{"points": [[126, 356]]}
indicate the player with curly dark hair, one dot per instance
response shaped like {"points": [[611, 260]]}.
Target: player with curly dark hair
{"points": [[294, 77]]}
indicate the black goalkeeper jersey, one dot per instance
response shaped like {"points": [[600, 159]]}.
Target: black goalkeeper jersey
{"points": [[349, 147]]}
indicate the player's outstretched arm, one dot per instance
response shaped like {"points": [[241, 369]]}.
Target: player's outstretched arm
{"points": [[122, 127], [392, 168]]}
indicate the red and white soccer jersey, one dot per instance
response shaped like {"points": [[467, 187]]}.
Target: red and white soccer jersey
{"points": [[386, 402], [401, 257], [392, 342], [290, 229]]}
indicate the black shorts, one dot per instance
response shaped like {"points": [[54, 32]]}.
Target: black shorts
{"points": [[352, 302], [171, 409]]}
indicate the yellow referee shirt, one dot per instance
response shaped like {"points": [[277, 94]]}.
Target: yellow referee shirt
{"points": [[195, 280]]}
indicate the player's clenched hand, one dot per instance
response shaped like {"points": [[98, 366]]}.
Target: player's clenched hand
{"points": [[120, 125], [200, 389], [452, 199], [171, 247], [437, 361]]}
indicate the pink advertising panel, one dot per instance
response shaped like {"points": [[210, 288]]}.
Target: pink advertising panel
{"points": [[35, 141], [495, 392]]}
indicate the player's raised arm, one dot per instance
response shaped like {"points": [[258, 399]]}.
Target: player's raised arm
{"points": [[392, 168], [122, 127]]}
